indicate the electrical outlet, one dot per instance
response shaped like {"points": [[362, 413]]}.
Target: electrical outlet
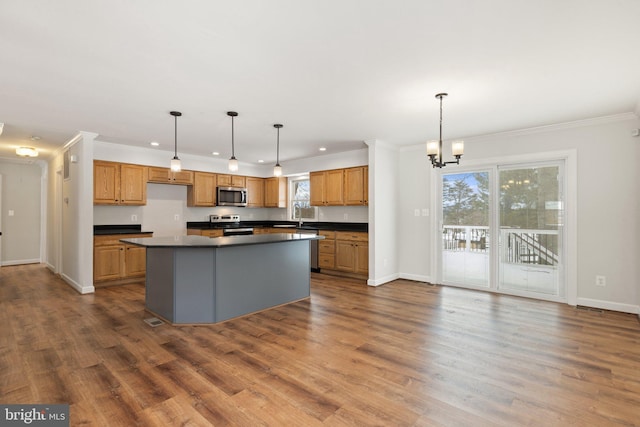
{"points": [[176, 217], [425, 212], [601, 281], [134, 218], [416, 212], [346, 217]]}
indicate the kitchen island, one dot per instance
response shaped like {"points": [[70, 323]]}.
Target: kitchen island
{"points": [[197, 279]]}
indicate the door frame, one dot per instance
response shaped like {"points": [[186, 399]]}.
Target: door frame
{"points": [[569, 157]]}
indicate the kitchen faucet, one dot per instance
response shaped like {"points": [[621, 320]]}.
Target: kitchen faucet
{"points": [[299, 221]]}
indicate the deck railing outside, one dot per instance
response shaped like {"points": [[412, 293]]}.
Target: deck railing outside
{"points": [[518, 246]]}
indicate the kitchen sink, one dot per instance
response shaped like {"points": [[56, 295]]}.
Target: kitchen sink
{"points": [[285, 226]]}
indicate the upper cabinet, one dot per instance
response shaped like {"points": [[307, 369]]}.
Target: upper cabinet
{"points": [[340, 187], [255, 192], [203, 190], [232, 181], [119, 183], [356, 189], [166, 176], [275, 192]]}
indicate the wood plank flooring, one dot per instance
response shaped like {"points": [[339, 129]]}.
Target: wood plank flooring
{"points": [[403, 354]]}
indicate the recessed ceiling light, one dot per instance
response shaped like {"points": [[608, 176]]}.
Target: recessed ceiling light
{"points": [[215, 153], [155, 144], [35, 138], [260, 161], [322, 148]]}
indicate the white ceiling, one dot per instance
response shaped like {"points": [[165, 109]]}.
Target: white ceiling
{"points": [[335, 73]]}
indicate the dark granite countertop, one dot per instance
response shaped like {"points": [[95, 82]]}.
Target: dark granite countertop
{"points": [[337, 226], [219, 242], [103, 230]]}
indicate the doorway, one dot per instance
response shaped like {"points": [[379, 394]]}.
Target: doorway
{"points": [[502, 229]]}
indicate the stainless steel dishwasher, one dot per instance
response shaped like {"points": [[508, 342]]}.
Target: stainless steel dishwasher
{"points": [[314, 246]]}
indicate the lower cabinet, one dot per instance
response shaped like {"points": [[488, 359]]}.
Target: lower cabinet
{"points": [[116, 263], [216, 232], [352, 252], [345, 253]]}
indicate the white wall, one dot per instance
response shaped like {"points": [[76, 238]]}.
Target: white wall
{"points": [[383, 207], [608, 189], [22, 187]]}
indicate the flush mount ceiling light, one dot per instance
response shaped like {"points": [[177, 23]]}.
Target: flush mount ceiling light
{"points": [[27, 152], [176, 166], [233, 162], [277, 169], [434, 148]]}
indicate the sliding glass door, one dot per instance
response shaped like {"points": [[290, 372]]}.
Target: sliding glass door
{"points": [[465, 228], [502, 229], [530, 219]]}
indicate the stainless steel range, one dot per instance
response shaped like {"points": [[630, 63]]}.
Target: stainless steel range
{"points": [[230, 225]]}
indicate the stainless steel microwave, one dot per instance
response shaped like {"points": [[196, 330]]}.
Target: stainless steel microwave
{"points": [[231, 196]]}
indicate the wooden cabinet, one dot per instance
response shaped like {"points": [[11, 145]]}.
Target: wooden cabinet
{"points": [[255, 192], [166, 176], [327, 250], [327, 187], [275, 192], [356, 187], [203, 190], [119, 183], [352, 252], [231, 181], [117, 263], [213, 232]]}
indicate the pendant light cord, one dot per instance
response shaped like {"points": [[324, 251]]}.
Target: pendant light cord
{"points": [[278, 147], [175, 137], [233, 155]]}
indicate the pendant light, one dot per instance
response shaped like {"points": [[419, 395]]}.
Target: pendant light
{"points": [[175, 162], [277, 169], [434, 148], [233, 162]]}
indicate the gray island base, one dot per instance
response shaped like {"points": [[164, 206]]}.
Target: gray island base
{"points": [[196, 279]]}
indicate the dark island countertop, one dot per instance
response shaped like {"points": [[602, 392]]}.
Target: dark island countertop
{"points": [[104, 230], [337, 226], [220, 242]]}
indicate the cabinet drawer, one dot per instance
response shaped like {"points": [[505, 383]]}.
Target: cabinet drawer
{"points": [[326, 261], [114, 239], [327, 247], [212, 233], [352, 236], [328, 234]]}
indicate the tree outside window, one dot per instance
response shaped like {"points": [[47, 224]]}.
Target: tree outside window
{"points": [[300, 200]]}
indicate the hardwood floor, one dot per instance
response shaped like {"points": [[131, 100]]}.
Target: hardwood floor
{"points": [[403, 354]]}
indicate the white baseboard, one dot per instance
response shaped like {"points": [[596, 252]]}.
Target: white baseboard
{"points": [[416, 277], [383, 280], [608, 305], [75, 285], [20, 262]]}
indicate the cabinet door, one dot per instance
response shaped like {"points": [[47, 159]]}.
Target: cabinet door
{"points": [[255, 192], [224, 180], [238, 181], [182, 177], [334, 190], [366, 185], [362, 258], [275, 192], [203, 190], [345, 255], [106, 183], [354, 186], [135, 261], [133, 184], [316, 188], [160, 175], [108, 262]]}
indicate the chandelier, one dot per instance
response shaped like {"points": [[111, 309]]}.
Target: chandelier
{"points": [[434, 148]]}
